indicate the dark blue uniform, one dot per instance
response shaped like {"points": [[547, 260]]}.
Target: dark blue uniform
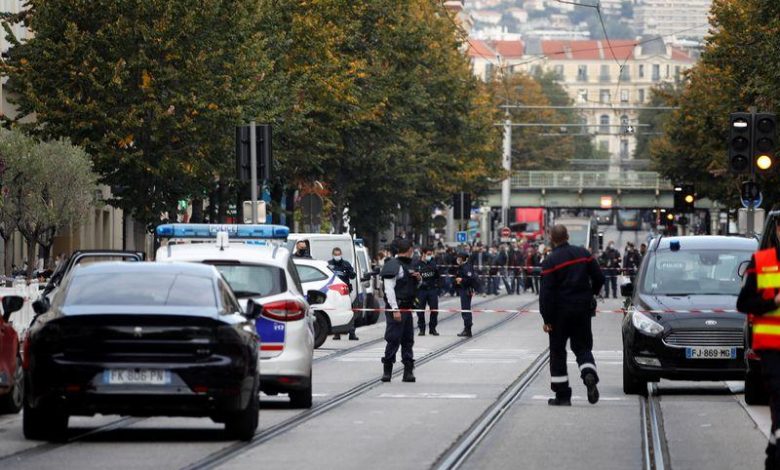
{"points": [[400, 334], [571, 277], [428, 294], [468, 285]]}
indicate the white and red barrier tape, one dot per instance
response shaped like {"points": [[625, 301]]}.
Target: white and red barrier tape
{"points": [[525, 310]]}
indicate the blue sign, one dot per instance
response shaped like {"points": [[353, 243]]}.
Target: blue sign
{"points": [[746, 203], [461, 237]]}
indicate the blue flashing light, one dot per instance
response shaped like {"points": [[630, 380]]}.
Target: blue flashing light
{"points": [[674, 245], [241, 232]]}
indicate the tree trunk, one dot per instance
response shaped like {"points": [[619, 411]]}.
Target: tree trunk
{"points": [[213, 202], [32, 257], [197, 211], [224, 194], [7, 252]]}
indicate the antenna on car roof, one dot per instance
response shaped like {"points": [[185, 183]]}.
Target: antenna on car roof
{"points": [[658, 242]]}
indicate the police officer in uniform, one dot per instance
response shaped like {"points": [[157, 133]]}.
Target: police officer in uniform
{"points": [[467, 283], [571, 277], [428, 293], [401, 283], [760, 297], [344, 270]]}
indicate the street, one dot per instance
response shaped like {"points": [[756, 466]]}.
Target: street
{"points": [[357, 422]]}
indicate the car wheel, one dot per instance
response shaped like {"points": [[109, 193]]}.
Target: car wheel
{"points": [[12, 402], [321, 329], [44, 424], [242, 425], [755, 387], [632, 385], [301, 398]]}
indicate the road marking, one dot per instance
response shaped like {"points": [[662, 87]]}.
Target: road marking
{"points": [[437, 396]]}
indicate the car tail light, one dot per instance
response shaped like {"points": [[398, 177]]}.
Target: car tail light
{"points": [[284, 310], [341, 288]]}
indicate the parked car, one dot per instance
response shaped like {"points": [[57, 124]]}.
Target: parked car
{"points": [[141, 339], [334, 315], [367, 276], [11, 371], [261, 271], [681, 322]]}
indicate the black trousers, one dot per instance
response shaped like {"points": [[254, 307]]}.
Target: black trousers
{"points": [[770, 369], [429, 297], [399, 334], [611, 275], [465, 304], [574, 327]]}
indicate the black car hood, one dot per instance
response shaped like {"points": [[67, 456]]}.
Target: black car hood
{"points": [[687, 310]]}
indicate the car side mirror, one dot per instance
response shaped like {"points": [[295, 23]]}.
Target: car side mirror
{"points": [[627, 290], [253, 310], [316, 297], [11, 304], [41, 306]]}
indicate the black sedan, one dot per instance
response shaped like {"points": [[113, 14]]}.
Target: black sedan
{"points": [[681, 322], [141, 339]]}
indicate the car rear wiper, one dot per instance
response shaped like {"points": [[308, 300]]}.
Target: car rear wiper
{"points": [[246, 293]]}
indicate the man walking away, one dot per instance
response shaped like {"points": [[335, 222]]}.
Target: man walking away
{"points": [[428, 293], [570, 280], [346, 273], [400, 295]]}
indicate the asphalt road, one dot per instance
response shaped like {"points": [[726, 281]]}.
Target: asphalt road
{"points": [[360, 423]]}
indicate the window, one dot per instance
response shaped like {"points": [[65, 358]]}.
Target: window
{"points": [[691, 272], [310, 273], [535, 71], [624, 96], [625, 75], [641, 95], [604, 74], [558, 71], [624, 149], [604, 124], [604, 146], [656, 72], [676, 73], [604, 97], [641, 71], [229, 303], [142, 288], [488, 72], [582, 73], [582, 96], [294, 275], [251, 280], [667, 71]]}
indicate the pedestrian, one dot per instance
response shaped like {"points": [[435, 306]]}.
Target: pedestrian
{"points": [[502, 261], [302, 250], [571, 278], [492, 271], [534, 264], [479, 262], [428, 293], [631, 261], [760, 297], [517, 261], [610, 262], [467, 283], [346, 273], [400, 294]]}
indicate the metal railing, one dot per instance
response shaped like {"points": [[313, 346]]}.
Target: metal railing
{"points": [[588, 180]]}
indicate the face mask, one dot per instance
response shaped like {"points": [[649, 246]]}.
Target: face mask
{"points": [[428, 258], [337, 258]]}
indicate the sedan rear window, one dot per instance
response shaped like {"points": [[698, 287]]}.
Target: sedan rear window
{"points": [[142, 288], [253, 280], [310, 273]]}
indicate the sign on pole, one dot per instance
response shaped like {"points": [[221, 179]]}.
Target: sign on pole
{"points": [[461, 237]]}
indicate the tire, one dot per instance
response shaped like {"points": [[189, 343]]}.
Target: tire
{"points": [[241, 425], [301, 398], [632, 385], [44, 424], [755, 388], [12, 402], [372, 317], [321, 329]]}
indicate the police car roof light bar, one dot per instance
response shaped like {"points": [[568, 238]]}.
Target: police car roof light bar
{"points": [[210, 231]]}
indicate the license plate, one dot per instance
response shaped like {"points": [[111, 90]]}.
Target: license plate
{"points": [[136, 377], [711, 353]]}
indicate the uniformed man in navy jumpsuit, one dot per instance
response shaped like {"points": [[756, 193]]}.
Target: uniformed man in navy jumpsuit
{"points": [[571, 278], [467, 284]]}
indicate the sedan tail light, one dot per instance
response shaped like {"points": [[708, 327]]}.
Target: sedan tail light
{"points": [[341, 288], [284, 310]]}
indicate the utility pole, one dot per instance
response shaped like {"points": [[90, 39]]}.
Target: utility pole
{"points": [[253, 168], [507, 165]]}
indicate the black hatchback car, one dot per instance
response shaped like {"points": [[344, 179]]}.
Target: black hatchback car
{"points": [[141, 339], [681, 321]]}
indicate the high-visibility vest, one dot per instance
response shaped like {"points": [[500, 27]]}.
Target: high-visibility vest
{"points": [[766, 327]]}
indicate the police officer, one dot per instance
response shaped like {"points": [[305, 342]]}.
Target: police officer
{"points": [[428, 293], [467, 283], [346, 273], [760, 297], [571, 278], [302, 249], [401, 283]]}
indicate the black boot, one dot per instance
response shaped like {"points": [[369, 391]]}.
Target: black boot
{"points": [[593, 391], [559, 401], [408, 374], [388, 373], [353, 337], [466, 333], [422, 331], [434, 332], [336, 337]]}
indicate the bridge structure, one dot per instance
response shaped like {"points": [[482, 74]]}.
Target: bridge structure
{"points": [[589, 189]]}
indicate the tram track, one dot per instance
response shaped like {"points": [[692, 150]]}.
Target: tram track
{"points": [[654, 447]]}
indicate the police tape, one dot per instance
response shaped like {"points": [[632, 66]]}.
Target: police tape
{"points": [[527, 310]]}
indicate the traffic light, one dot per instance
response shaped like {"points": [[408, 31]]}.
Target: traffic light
{"points": [[764, 131], [740, 126], [684, 198], [461, 203], [243, 152]]}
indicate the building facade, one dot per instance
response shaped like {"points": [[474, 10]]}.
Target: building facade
{"points": [[678, 18]]}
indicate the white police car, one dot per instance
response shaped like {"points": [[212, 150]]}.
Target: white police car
{"points": [[335, 315], [256, 268]]}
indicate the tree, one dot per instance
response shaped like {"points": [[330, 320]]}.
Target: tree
{"points": [[152, 90], [663, 95]]}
